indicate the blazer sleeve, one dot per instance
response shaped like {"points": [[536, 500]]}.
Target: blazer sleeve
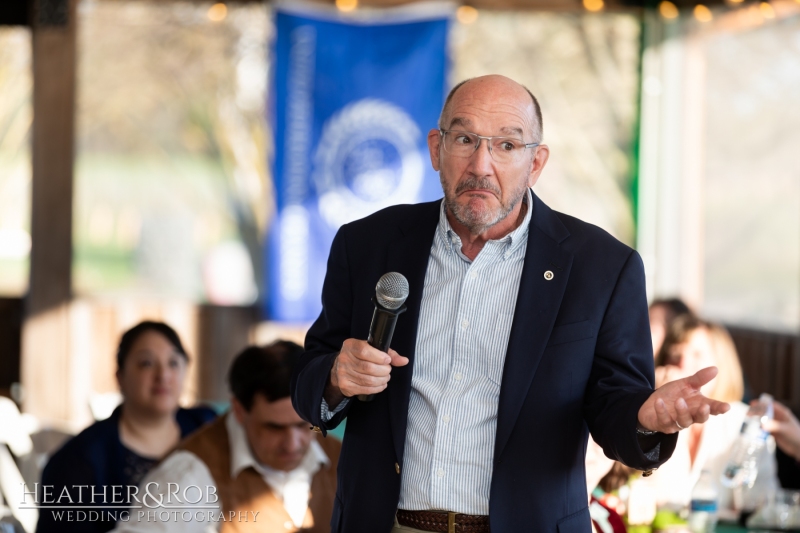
{"points": [[622, 375], [324, 339]]}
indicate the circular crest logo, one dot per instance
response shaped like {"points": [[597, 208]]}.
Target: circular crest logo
{"points": [[367, 159]]}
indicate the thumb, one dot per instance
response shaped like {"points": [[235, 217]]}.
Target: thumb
{"points": [[701, 377], [772, 426], [397, 359]]}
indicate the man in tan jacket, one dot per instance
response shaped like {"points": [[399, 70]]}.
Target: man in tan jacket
{"points": [[258, 468]]}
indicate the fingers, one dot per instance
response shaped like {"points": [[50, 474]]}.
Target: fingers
{"points": [[775, 427], [362, 350], [718, 408], [698, 409], [782, 413], [397, 359], [684, 417], [363, 369], [665, 422], [673, 412], [787, 435], [701, 377]]}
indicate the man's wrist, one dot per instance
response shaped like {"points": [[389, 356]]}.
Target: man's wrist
{"points": [[333, 394], [333, 378], [641, 430]]}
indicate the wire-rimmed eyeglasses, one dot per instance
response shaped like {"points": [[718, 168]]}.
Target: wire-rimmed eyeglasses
{"points": [[502, 149]]}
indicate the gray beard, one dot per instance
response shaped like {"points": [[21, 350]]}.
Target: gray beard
{"points": [[479, 221]]}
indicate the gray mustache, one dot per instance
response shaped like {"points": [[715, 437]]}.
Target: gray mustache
{"points": [[477, 183]]}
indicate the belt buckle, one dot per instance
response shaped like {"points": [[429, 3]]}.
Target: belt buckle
{"points": [[451, 522]]}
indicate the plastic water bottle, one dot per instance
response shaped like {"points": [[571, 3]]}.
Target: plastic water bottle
{"points": [[742, 466], [703, 509]]}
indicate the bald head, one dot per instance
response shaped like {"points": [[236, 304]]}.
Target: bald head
{"points": [[490, 87]]}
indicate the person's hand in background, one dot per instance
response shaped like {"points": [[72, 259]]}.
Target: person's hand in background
{"points": [[786, 429]]}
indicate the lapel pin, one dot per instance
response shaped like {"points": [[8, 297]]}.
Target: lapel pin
{"points": [[548, 275]]}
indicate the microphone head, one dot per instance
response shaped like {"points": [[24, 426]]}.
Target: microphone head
{"points": [[391, 291]]}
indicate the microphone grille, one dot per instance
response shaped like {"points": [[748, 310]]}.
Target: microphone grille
{"points": [[392, 290]]}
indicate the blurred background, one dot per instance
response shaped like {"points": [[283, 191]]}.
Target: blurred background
{"points": [[138, 167]]}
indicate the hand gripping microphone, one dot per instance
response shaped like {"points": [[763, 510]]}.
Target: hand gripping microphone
{"points": [[390, 295]]}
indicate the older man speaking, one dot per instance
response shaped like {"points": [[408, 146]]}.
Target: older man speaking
{"points": [[526, 329]]}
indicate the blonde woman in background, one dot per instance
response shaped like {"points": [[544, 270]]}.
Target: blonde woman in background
{"points": [[691, 344]]}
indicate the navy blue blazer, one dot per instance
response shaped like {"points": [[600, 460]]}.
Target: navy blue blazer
{"points": [[579, 360]]}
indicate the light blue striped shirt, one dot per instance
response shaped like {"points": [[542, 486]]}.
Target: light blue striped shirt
{"points": [[464, 325]]}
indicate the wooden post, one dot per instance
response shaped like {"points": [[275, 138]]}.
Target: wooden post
{"points": [[223, 332], [46, 368]]}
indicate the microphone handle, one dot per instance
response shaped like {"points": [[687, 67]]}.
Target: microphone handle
{"points": [[380, 334]]}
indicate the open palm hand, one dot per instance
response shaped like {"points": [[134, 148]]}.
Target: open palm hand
{"points": [[679, 404]]}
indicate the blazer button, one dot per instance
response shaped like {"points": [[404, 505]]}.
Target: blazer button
{"points": [[316, 429], [397, 467], [548, 275], [648, 472]]}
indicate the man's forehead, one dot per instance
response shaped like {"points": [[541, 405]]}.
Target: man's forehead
{"points": [[501, 100], [279, 412], [466, 123]]}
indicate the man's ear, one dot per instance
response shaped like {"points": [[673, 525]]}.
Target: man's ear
{"points": [[538, 163], [238, 410], [434, 142]]}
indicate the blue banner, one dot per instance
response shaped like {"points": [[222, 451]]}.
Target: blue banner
{"points": [[354, 98]]}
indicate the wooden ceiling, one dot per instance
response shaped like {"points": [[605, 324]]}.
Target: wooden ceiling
{"points": [[17, 12]]}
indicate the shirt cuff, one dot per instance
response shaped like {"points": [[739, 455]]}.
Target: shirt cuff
{"points": [[650, 445], [327, 414]]}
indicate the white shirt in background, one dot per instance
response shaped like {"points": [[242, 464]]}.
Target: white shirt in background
{"points": [[185, 469]]}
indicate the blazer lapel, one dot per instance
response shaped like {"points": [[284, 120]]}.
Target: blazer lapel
{"points": [[538, 302], [409, 256]]}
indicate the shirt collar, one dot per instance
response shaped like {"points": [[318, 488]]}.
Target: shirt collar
{"points": [[509, 243], [242, 456]]}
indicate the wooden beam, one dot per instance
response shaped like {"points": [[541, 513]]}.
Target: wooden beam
{"points": [[46, 366], [518, 5]]}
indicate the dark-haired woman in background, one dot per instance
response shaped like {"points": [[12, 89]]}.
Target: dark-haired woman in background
{"points": [[662, 313], [151, 368]]}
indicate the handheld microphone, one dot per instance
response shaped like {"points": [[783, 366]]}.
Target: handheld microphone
{"points": [[390, 295]]}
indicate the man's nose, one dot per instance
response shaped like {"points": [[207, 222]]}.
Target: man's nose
{"points": [[293, 439], [481, 160]]}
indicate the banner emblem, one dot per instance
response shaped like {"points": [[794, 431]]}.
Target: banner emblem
{"points": [[367, 159]]}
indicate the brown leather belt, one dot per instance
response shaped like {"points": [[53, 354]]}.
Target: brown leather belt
{"points": [[443, 521]]}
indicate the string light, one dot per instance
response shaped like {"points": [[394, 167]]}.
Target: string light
{"points": [[217, 12], [668, 10], [593, 5], [702, 13], [346, 5], [466, 14], [767, 11]]}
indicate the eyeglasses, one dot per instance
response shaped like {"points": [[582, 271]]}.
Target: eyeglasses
{"points": [[502, 149]]}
